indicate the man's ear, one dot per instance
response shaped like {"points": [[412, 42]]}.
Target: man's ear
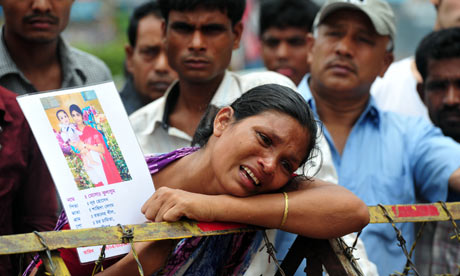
{"points": [[237, 32], [222, 120], [310, 43], [129, 51], [421, 91], [435, 3], [387, 61]]}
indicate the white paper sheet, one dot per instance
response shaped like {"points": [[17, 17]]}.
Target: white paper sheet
{"points": [[77, 176]]}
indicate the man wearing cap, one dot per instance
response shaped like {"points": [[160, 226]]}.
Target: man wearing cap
{"points": [[383, 157]]}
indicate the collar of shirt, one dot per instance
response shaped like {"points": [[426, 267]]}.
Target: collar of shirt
{"points": [[371, 115], [69, 63], [371, 112], [224, 95]]}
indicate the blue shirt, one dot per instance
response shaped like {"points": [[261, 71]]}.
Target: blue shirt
{"points": [[392, 159]]}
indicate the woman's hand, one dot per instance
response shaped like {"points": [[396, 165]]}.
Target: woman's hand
{"points": [[168, 204]]}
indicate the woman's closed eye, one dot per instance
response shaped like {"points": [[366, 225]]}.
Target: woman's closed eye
{"points": [[287, 166], [264, 139]]}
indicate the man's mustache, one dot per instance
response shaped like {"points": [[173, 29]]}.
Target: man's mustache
{"points": [[41, 17]]}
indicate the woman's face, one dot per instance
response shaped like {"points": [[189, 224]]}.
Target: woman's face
{"points": [[257, 154], [63, 118], [77, 118]]}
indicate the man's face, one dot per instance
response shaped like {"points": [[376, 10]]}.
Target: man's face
{"points": [[284, 51], [441, 93], [147, 61], [35, 21], [200, 43], [448, 13], [347, 54]]}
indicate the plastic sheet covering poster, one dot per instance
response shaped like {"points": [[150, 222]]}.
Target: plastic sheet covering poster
{"points": [[93, 156]]}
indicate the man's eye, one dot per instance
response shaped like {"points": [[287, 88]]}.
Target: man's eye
{"points": [[150, 52], [333, 33], [272, 43], [366, 40], [264, 139], [437, 85], [296, 41], [212, 29], [182, 27]]}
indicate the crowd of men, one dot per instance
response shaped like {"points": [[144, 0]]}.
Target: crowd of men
{"points": [[391, 129]]}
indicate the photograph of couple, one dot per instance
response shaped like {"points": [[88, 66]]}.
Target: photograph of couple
{"points": [[86, 139]]}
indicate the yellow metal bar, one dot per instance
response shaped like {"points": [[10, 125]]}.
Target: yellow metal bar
{"points": [[23, 243], [415, 212]]}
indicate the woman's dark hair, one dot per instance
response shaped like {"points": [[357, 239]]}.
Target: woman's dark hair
{"points": [[234, 9], [442, 44], [75, 107], [61, 110], [268, 97]]}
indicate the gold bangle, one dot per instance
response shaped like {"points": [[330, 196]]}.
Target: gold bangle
{"points": [[286, 209]]}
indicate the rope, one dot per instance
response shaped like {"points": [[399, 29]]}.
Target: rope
{"points": [[348, 251], [128, 236], [402, 242], [449, 214], [419, 234], [271, 252], [98, 267], [48, 253]]}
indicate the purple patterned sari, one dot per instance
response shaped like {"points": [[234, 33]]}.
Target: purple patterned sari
{"points": [[215, 255]]}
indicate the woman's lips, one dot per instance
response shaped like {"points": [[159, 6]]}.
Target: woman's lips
{"points": [[250, 175]]}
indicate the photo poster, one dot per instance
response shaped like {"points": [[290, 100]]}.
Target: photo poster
{"points": [[93, 156]]}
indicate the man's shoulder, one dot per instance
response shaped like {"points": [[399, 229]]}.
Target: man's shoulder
{"points": [[87, 57], [407, 125], [95, 69]]}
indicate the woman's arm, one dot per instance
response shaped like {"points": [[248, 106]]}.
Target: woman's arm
{"points": [[98, 148], [317, 209], [152, 256]]}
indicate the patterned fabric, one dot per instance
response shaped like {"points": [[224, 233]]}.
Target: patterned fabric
{"points": [[436, 252], [157, 162], [215, 255], [446, 251], [78, 68]]}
